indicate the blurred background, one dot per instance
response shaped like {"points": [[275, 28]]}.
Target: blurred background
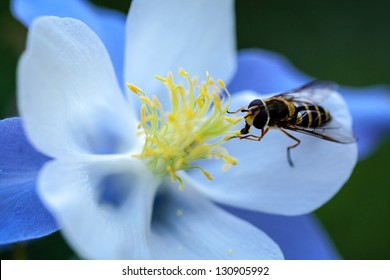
{"points": [[345, 41]]}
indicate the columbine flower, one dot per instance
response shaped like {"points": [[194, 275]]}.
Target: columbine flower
{"points": [[370, 125], [108, 203]]}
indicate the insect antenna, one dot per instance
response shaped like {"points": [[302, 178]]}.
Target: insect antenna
{"points": [[242, 110]]}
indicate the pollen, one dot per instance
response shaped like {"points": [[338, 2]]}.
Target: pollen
{"points": [[194, 129], [179, 212]]}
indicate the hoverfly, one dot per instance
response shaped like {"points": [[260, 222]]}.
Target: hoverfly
{"points": [[295, 110]]}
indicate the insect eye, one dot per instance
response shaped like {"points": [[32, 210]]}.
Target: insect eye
{"points": [[256, 102], [261, 119]]}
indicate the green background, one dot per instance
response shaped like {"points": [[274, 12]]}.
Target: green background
{"points": [[348, 42]]}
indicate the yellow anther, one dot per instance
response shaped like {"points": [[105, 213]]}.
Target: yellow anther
{"points": [[179, 212], [134, 88], [207, 175], [183, 72], [160, 78], [221, 84], [226, 167], [230, 160]]}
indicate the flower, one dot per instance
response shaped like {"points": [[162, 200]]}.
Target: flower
{"points": [[76, 126], [110, 26], [278, 74]]}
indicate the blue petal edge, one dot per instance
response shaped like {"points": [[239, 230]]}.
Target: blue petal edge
{"points": [[23, 215], [299, 237], [108, 24]]}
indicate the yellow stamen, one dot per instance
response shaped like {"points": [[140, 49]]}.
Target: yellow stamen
{"points": [[207, 175], [156, 102], [183, 72], [233, 120], [192, 130], [221, 84], [147, 100], [134, 88], [160, 78]]}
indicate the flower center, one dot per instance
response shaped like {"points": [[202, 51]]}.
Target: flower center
{"points": [[194, 129]]}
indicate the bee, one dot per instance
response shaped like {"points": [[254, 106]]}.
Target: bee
{"points": [[296, 110]]}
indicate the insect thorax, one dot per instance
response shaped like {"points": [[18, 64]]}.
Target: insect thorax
{"points": [[281, 112]]}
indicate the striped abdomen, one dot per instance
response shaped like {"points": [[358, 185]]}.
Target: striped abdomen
{"points": [[310, 115]]}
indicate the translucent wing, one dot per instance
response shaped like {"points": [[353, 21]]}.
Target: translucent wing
{"points": [[332, 131], [314, 92]]}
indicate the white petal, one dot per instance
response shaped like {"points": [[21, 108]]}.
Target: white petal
{"points": [[263, 179], [68, 94], [97, 225], [162, 36], [187, 226]]}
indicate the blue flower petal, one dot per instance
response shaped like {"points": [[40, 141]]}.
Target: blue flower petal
{"points": [[369, 107], [94, 221], [185, 225], [299, 237], [108, 24], [23, 216], [267, 72], [80, 109]]}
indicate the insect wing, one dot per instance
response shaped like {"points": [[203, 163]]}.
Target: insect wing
{"points": [[332, 131], [313, 92]]}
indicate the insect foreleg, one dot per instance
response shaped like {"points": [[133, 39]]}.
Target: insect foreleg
{"points": [[254, 137], [250, 137], [290, 147]]}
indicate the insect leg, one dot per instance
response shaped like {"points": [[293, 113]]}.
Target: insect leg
{"points": [[290, 147], [255, 137], [264, 131], [247, 137], [250, 137]]}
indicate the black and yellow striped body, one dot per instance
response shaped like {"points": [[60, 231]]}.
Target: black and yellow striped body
{"points": [[311, 115], [285, 113]]}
